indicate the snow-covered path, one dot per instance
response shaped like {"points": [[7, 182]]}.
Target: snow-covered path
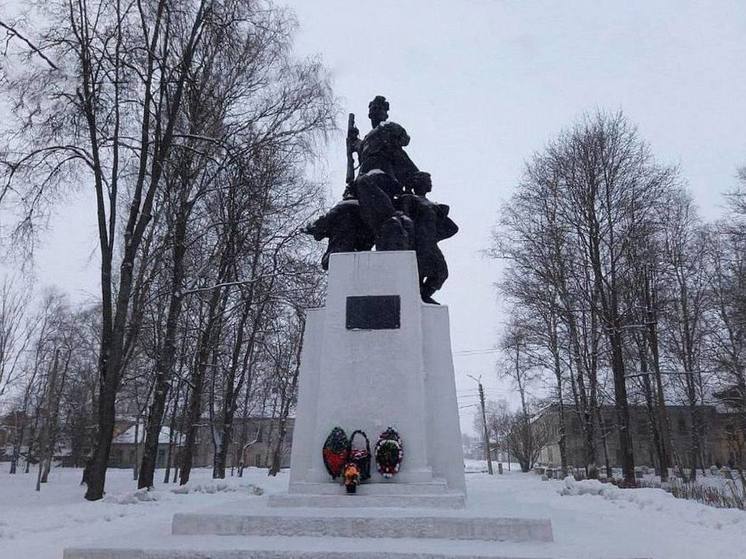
{"points": [[591, 522]]}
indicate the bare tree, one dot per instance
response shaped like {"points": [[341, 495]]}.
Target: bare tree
{"points": [[726, 340], [685, 247], [523, 437], [247, 99], [15, 331], [583, 201], [115, 95], [156, 105]]}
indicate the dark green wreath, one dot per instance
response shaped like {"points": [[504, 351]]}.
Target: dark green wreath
{"points": [[389, 452]]}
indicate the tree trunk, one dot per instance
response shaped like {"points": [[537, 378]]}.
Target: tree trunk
{"points": [[584, 400], [135, 461], [46, 440], [694, 441], [17, 444], [171, 434], [664, 454], [167, 355], [287, 400], [47, 467], [194, 410], [233, 390], [604, 434], [557, 363], [622, 407], [100, 459], [650, 405]]}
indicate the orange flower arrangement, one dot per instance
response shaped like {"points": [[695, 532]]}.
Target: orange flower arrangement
{"points": [[351, 476]]}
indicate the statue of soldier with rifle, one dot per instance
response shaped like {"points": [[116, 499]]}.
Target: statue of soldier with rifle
{"points": [[386, 204]]}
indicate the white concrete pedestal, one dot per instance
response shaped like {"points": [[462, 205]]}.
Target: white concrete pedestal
{"points": [[371, 378]]}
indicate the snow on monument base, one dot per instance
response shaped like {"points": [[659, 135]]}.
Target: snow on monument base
{"points": [[367, 366]]}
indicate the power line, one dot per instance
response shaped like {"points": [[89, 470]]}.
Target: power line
{"points": [[467, 352]]}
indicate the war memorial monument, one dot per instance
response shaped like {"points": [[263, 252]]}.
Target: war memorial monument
{"points": [[376, 364]]}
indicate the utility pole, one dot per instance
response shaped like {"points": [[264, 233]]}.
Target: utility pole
{"points": [[486, 432]]}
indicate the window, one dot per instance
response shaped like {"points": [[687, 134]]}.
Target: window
{"points": [[683, 429], [258, 460]]}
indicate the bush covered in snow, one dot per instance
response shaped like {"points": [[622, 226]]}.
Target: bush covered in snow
{"points": [[711, 495], [728, 494]]}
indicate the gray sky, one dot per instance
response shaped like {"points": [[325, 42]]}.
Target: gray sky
{"points": [[480, 85]]}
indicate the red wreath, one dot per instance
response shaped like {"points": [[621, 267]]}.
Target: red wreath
{"points": [[335, 452]]}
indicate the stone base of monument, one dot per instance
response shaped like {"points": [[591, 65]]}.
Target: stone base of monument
{"points": [[304, 548], [431, 494], [365, 526], [374, 356], [361, 534], [403, 500]]}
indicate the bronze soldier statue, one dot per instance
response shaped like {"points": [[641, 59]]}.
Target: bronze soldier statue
{"points": [[344, 228], [431, 225], [386, 204], [385, 169]]}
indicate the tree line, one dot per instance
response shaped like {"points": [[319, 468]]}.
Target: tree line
{"points": [[192, 124], [620, 294]]}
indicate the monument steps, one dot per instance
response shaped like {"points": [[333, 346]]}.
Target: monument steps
{"points": [[361, 526], [299, 547], [276, 547], [269, 554], [433, 487], [411, 501]]}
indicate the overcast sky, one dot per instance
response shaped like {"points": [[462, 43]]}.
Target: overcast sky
{"points": [[480, 86]]}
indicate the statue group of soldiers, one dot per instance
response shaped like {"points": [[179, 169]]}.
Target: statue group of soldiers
{"points": [[386, 205]]}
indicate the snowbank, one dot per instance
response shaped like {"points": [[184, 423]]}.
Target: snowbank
{"points": [[658, 500], [215, 487]]}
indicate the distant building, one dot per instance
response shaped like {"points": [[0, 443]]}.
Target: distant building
{"points": [[252, 444], [473, 448], [720, 436], [124, 452], [732, 436], [730, 439]]}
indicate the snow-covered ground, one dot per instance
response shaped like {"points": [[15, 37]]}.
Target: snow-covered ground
{"points": [[40, 525], [590, 520]]}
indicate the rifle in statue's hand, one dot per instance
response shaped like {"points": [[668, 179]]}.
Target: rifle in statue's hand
{"points": [[352, 141]]}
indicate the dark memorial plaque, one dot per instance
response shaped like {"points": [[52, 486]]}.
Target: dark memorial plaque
{"points": [[373, 312]]}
